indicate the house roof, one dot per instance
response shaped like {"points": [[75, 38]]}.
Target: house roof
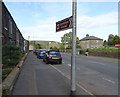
{"points": [[90, 38]]}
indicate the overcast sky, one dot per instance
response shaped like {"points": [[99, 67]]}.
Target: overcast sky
{"points": [[38, 19]]}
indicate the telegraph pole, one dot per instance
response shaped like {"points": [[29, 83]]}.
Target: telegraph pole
{"points": [[73, 68]]}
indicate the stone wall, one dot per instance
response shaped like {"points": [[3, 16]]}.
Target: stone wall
{"points": [[85, 44]]}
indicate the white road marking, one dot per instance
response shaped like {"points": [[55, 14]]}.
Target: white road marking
{"points": [[61, 72], [69, 65], [108, 80], [67, 76], [96, 62], [84, 89]]}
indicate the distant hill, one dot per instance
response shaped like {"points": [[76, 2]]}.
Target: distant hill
{"points": [[44, 44]]}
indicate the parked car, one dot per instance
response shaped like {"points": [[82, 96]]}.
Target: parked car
{"points": [[35, 51], [52, 56], [41, 53]]}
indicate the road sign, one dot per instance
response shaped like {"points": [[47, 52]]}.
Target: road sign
{"points": [[64, 24]]}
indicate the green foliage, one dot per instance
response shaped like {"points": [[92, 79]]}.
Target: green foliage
{"points": [[67, 40], [54, 48], [6, 71], [62, 46], [116, 40], [10, 54], [38, 46], [110, 49], [105, 43], [112, 52], [43, 44], [51, 47], [110, 42]]}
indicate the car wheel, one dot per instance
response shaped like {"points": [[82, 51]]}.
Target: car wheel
{"points": [[60, 62], [46, 61], [43, 60]]}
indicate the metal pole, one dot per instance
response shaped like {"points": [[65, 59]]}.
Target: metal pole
{"points": [[1, 46], [73, 75], [28, 43]]}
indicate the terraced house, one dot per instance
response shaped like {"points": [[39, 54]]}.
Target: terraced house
{"points": [[10, 31], [91, 42]]}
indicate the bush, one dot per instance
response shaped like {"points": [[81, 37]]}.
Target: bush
{"points": [[112, 52], [10, 54], [6, 71]]}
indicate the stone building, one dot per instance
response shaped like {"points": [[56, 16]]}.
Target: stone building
{"points": [[91, 42], [54, 44], [10, 31], [31, 47]]}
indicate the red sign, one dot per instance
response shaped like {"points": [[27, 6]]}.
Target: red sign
{"points": [[64, 24]]}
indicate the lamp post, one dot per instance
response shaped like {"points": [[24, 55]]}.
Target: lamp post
{"points": [[28, 43]]}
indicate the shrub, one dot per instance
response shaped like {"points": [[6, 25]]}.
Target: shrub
{"points": [[10, 54]]}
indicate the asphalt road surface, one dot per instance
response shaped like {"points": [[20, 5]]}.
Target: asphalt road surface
{"points": [[94, 76], [97, 75]]}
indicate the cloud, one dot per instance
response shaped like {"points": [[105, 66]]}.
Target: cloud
{"points": [[97, 26], [87, 22], [45, 30], [100, 26]]}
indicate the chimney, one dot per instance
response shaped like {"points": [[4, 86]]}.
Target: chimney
{"points": [[87, 35]]}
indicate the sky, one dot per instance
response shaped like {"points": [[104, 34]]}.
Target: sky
{"points": [[38, 19]]}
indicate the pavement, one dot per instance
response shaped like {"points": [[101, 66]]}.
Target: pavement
{"points": [[38, 78], [94, 76]]}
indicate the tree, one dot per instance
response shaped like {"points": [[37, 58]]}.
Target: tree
{"points": [[116, 40], [105, 43], [67, 39], [51, 47], [38, 46], [110, 42]]}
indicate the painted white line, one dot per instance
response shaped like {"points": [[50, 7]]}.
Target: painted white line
{"points": [[109, 80], [84, 89], [67, 76], [61, 72], [96, 62], [69, 65]]}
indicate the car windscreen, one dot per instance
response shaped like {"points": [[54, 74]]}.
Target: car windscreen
{"points": [[42, 51], [54, 53]]}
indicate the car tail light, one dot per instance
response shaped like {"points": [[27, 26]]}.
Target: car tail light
{"points": [[61, 56], [48, 55]]}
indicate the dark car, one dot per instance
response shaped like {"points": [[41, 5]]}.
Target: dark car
{"points": [[52, 56], [41, 53]]}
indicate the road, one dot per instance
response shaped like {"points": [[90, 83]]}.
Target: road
{"points": [[94, 75], [97, 75]]}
